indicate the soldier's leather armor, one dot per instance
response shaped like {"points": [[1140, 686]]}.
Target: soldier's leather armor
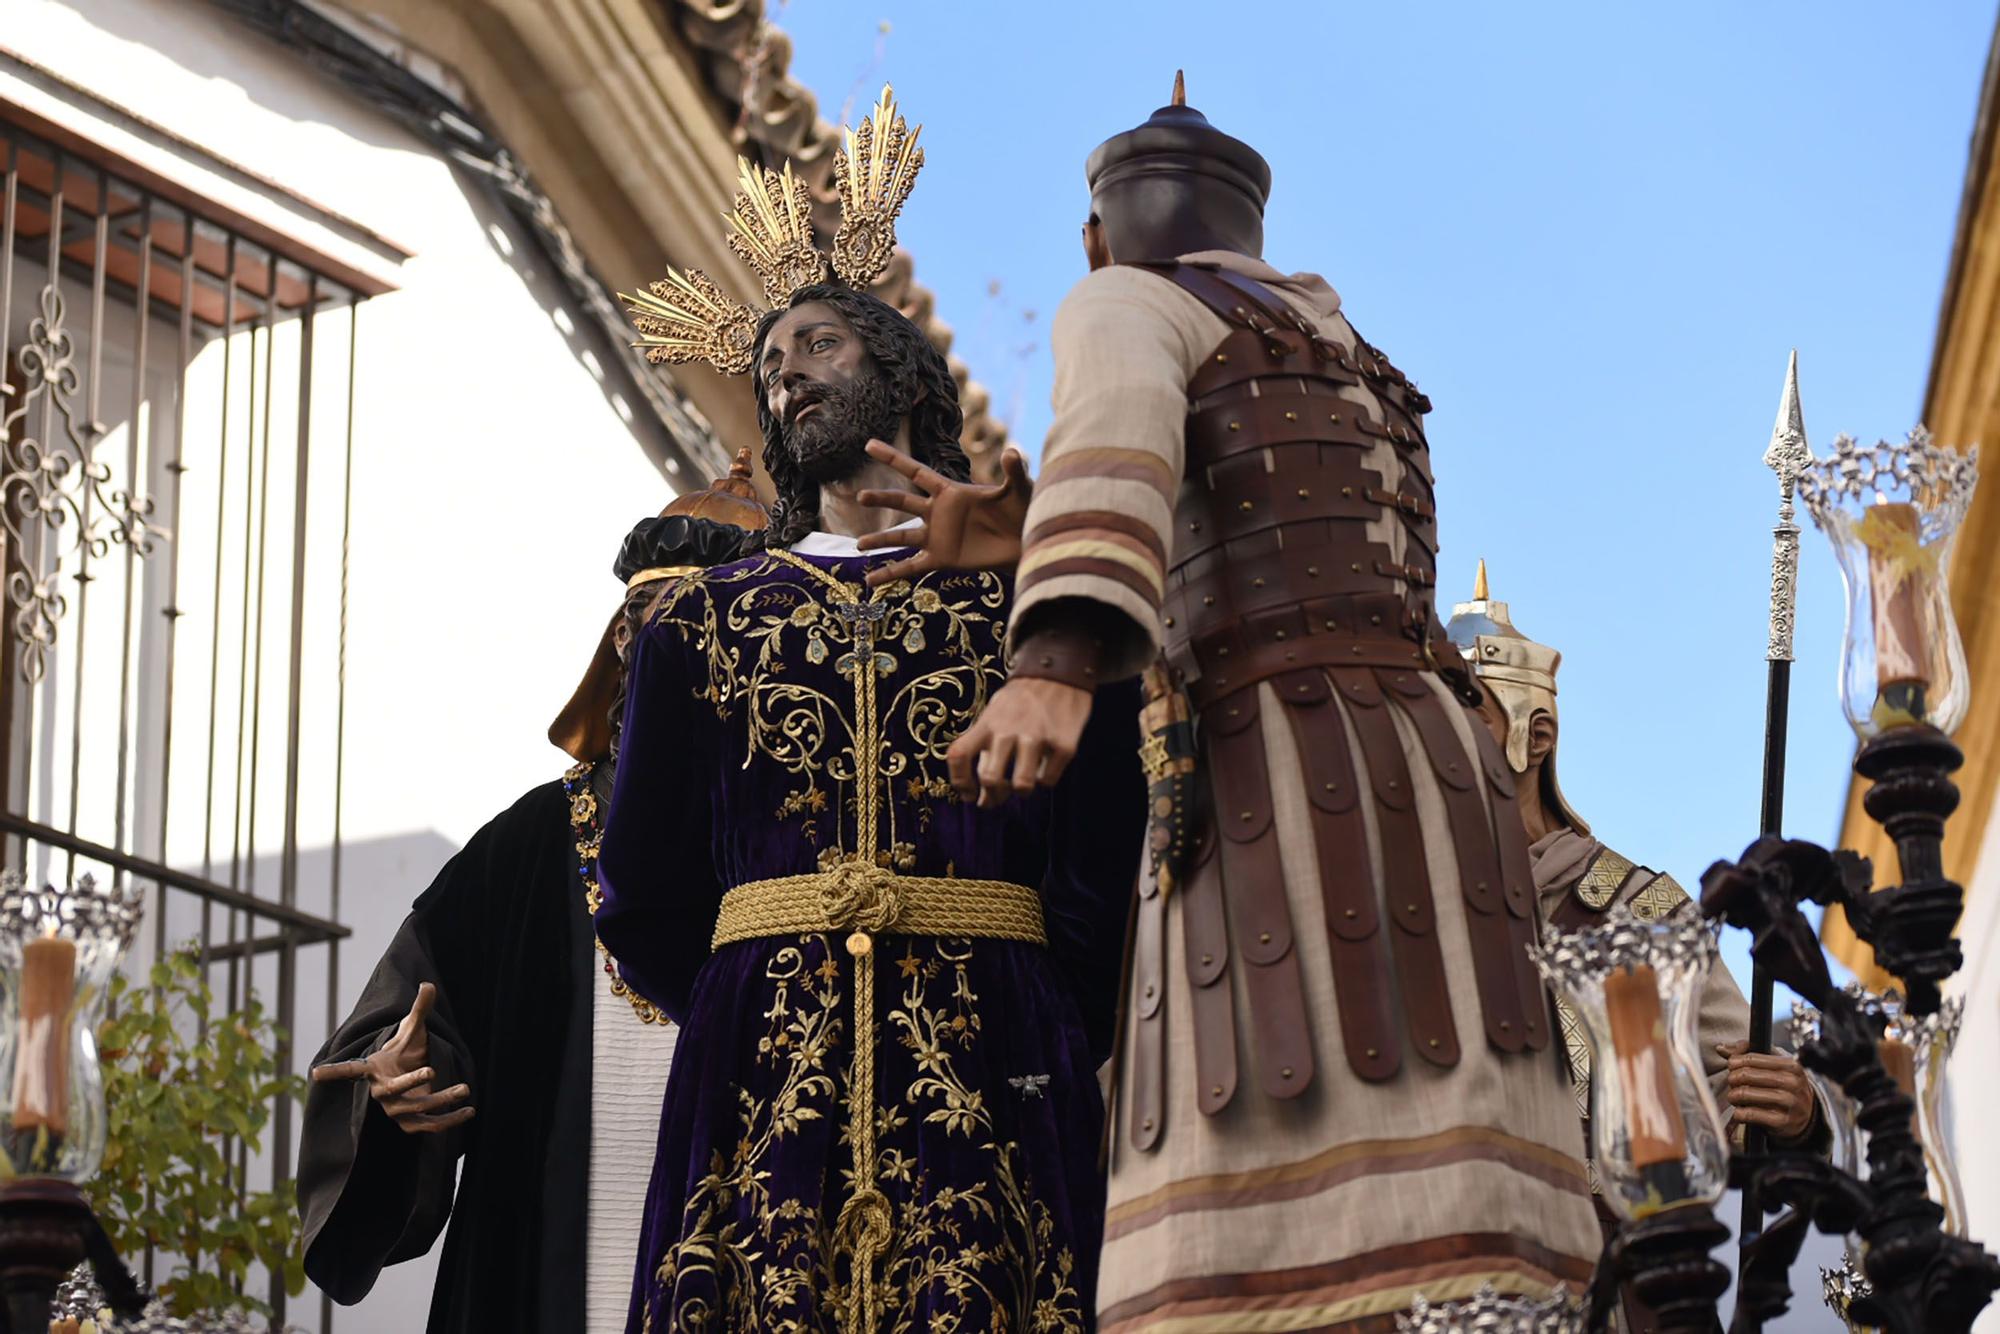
{"points": [[1274, 580]]}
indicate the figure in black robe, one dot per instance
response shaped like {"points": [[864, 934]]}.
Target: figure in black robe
{"points": [[504, 935]]}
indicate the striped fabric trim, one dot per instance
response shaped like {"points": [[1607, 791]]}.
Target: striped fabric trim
{"points": [[1106, 463], [1346, 1163], [1323, 1296], [1326, 1311], [1115, 561], [1145, 552], [1139, 500], [1133, 530]]}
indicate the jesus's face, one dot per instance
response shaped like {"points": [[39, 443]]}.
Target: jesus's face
{"points": [[826, 393]]}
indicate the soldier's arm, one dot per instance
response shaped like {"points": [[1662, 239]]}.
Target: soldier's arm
{"points": [[1098, 533], [1092, 573]]}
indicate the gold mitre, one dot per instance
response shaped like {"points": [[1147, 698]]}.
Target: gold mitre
{"points": [[686, 317], [1521, 675]]}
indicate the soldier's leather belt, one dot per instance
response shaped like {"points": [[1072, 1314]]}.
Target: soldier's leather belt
{"points": [[1261, 662], [854, 896]]}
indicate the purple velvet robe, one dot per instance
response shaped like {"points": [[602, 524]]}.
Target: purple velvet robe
{"points": [[749, 752]]}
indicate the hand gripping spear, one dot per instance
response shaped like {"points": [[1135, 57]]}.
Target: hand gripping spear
{"points": [[1787, 455]]}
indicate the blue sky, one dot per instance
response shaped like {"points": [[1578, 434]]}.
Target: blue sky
{"points": [[1592, 232]]}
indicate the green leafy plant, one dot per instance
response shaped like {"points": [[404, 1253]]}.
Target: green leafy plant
{"points": [[184, 1086]]}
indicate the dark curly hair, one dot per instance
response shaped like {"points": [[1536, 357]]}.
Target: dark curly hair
{"points": [[917, 375]]}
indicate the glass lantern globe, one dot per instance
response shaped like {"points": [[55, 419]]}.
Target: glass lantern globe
{"points": [[58, 950], [1892, 513], [1657, 1136], [1915, 1050]]}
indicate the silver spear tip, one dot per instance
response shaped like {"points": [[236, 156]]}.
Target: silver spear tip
{"points": [[1788, 454]]}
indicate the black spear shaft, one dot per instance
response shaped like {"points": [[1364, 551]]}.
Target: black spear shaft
{"points": [[1777, 702], [1787, 455]]}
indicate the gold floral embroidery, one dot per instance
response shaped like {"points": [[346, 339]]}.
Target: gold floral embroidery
{"points": [[589, 831], [748, 1260], [747, 626], [744, 1260]]}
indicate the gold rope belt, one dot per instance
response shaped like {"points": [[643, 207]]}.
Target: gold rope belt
{"points": [[854, 896], [866, 900]]}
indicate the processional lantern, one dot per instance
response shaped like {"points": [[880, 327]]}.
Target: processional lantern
{"points": [[1657, 1137], [1915, 1050], [1892, 513], [1659, 1148], [58, 951]]}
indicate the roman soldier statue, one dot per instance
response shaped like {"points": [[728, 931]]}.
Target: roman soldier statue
{"points": [[1336, 1087], [1578, 880]]}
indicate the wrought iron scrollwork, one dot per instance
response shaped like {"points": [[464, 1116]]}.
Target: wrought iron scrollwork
{"points": [[1921, 1279], [53, 487]]}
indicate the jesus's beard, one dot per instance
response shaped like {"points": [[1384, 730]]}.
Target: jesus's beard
{"points": [[832, 444]]}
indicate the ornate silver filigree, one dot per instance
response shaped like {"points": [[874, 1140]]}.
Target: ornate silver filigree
{"points": [[1787, 455], [1842, 1287], [1624, 940], [1917, 1030], [87, 912], [52, 478], [1488, 1312], [1939, 479], [80, 1299]]}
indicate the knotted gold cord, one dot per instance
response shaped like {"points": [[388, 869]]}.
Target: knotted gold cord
{"points": [[852, 896]]}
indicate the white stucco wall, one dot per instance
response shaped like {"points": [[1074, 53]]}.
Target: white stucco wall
{"points": [[1975, 1065], [493, 475]]}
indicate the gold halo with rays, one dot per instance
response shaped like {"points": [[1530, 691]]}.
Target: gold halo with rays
{"points": [[687, 317]]}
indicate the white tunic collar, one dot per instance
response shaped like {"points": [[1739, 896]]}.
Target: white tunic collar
{"points": [[838, 544]]}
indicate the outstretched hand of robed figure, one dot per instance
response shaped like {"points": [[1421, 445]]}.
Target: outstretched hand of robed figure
{"points": [[399, 1076], [961, 525]]}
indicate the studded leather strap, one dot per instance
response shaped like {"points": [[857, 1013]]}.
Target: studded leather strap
{"points": [[1518, 877], [1253, 888], [1406, 871], [1487, 913], [1145, 1095], [1063, 654], [1364, 988], [1205, 933]]}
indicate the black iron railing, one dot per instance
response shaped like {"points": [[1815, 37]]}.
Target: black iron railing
{"points": [[164, 419]]}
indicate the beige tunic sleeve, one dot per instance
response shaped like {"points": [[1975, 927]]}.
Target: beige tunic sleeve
{"points": [[1101, 525], [1723, 1016]]}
